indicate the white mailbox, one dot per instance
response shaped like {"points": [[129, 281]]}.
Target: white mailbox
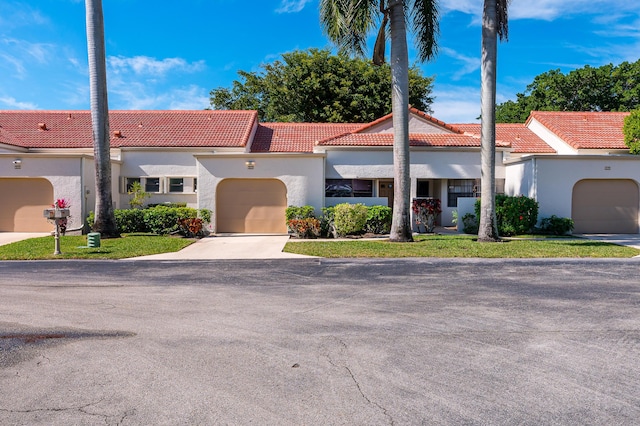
{"points": [[56, 213]]}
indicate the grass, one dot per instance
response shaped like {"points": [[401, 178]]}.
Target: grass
{"points": [[74, 247], [461, 246]]}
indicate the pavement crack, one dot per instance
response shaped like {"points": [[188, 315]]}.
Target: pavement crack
{"points": [[341, 349]]}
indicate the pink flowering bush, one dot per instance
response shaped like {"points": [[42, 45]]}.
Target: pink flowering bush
{"points": [[427, 211]]}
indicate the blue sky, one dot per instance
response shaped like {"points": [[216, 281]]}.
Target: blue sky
{"points": [[169, 54]]}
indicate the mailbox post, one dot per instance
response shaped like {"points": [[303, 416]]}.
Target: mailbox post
{"points": [[55, 215]]}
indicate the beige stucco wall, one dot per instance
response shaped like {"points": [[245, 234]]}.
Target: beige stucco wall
{"points": [[64, 172], [303, 175], [551, 179], [162, 164]]}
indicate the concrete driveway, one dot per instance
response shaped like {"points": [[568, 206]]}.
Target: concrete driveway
{"points": [[231, 246], [318, 342], [12, 237]]}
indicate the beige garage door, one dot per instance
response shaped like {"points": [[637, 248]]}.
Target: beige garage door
{"points": [[23, 201], [251, 206], [605, 206]]}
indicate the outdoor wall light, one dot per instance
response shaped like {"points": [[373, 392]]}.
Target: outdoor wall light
{"points": [[250, 164], [17, 163]]}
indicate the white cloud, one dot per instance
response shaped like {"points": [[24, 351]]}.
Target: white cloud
{"points": [[145, 65], [145, 96], [12, 103], [291, 6], [455, 104], [17, 64], [547, 10], [468, 64]]}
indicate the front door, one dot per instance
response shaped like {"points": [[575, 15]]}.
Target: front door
{"points": [[385, 189]]}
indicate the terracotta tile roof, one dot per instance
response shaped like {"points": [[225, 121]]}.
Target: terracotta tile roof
{"points": [[296, 137], [7, 138], [412, 110], [72, 129], [386, 139], [585, 130], [521, 139]]}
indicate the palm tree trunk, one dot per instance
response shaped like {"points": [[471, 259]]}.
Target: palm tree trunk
{"points": [[488, 230], [401, 220], [104, 217]]}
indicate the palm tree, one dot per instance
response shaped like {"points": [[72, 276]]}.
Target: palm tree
{"points": [[494, 25], [105, 222], [347, 23]]}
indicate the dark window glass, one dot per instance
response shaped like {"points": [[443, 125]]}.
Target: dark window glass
{"points": [[152, 185], [130, 182], [348, 188], [460, 188], [176, 185], [422, 191]]}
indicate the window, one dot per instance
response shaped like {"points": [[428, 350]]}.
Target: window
{"points": [[152, 185], [130, 182], [422, 191], [348, 188], [460, 188], [195, 184], [176, 185]]}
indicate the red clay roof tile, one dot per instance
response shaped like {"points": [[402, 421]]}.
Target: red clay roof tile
{"points": [[296, 137], [72, 129], [386, 139], [521, 139], [585, 130]]}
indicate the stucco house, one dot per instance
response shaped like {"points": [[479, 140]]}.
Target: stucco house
{"points": [[247, 172]]}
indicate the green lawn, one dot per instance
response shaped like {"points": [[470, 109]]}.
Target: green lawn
{"points": [[460, 246], [74, 247]]}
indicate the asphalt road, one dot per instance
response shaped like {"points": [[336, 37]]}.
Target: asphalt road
{"points": [[320, 342]]}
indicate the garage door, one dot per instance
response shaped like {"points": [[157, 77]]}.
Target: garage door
{"points": [[605, 206], [251, 206], [23, 201]]}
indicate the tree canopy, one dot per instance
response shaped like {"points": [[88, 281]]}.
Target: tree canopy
{"points": [[606, 88], [631, 131], [315, 86]]}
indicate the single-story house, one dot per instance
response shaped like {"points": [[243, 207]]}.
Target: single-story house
{"points": [[246, 172]]}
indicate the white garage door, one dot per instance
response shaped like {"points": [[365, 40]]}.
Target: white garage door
{"points": [[251, 206], [23, 201], [605, 206]]}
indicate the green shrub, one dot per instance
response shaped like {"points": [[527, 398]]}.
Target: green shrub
{"points": [[164, 220], [205, 215], [327, 228], [130, 220], [378, 220], [555, 225], [515, 214], [170, 205], [350, 219], [470, 224], [308, 227], [138, 195], [159, 219], [304, 212]]}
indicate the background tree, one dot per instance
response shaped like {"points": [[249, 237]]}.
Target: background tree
{"points": [[631, 131], [494, 25], [606, 88], [315, 86], [348, 23], [105, 221]]}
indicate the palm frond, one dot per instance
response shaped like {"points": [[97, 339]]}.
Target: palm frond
{"points": [[426, 27], [502, 22], [348, 22]]}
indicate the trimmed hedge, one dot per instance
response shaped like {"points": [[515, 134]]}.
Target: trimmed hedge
{"points": [[159, 219], [515, 214]]}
